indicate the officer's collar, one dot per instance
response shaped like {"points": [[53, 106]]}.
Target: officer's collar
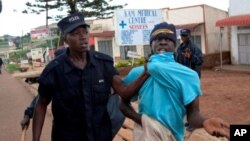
{"points": [[68, 66], [92, 60]]}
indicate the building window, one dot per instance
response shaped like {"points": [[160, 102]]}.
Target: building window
{"points": [[124, 51], [105, 47], [178, 42], [196, 40], [147, 50], [243, 27]]}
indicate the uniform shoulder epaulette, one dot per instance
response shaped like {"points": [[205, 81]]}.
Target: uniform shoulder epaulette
{"points": [[102, 56], [50, 66]]}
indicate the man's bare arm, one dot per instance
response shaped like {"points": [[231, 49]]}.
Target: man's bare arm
{"points": [[127, 91], [39, 116], [214, 126], [129, 112], [194, 117]]}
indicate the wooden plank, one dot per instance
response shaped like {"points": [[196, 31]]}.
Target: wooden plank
{"points": [[128, 123], [34, 72], [135, 105], [118, 138], [29, 74], [126, 134]]}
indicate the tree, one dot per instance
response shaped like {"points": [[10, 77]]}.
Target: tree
{"points": [[17, 42], [6, 37], [1, 6], [90, 8]]}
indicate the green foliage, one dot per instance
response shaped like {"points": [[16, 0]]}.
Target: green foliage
{"points": [[6, 38], [18, 41], [4, 44], [122, 63], [90, 8], [26, 39], [45, 43], [11, 68], [127, 63], [17, 55], [139, 62]]}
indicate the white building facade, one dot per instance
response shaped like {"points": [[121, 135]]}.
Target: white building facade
{"points": [[238, 23], [200, 19]]}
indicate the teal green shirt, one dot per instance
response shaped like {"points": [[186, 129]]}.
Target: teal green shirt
{"points": [[170, 87]]}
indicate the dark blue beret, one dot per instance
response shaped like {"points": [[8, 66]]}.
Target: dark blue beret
{"points": [[71, 22], [185, 32], [164, 30]]}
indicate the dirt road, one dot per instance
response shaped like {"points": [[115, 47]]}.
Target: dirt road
{"points": [[225, 95], [14, 98]]}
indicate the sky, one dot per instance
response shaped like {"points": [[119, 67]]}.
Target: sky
{"points": [[16, 23]]}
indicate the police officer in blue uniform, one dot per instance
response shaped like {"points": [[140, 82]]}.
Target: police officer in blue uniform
{"points": [[28, 113], [79, 82], [1, 63], [188, 53]]}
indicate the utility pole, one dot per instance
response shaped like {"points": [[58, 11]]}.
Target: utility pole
{"points": [[1, 6], [46, 6], [75, 1], [47, 25], [22, 43], [221, 37]]}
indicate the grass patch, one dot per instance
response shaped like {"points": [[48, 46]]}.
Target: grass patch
{"points": [[11, 68]]}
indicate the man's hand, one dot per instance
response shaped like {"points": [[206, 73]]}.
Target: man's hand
{"points": [[129, 112], [25, 122], [146, 64], [217, 127], [187, 53]]}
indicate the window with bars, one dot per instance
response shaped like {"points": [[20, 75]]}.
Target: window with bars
{"points": [[124, 50], [196, 40], [105, 47], [147, 50]]}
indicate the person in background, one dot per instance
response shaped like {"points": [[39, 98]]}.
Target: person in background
{"points": [[171, 92], [116, 117], [188, 54], [78, 83], [1, 63], [28, 114]]}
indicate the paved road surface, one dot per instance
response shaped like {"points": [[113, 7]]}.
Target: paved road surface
{"points": [[14, 98]]}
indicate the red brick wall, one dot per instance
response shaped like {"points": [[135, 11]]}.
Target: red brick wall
{"points": [[212, 60], [124, 71]]}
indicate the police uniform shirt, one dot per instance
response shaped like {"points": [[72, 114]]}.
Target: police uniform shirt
{"points": [[196, 59], [79, 97]]}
